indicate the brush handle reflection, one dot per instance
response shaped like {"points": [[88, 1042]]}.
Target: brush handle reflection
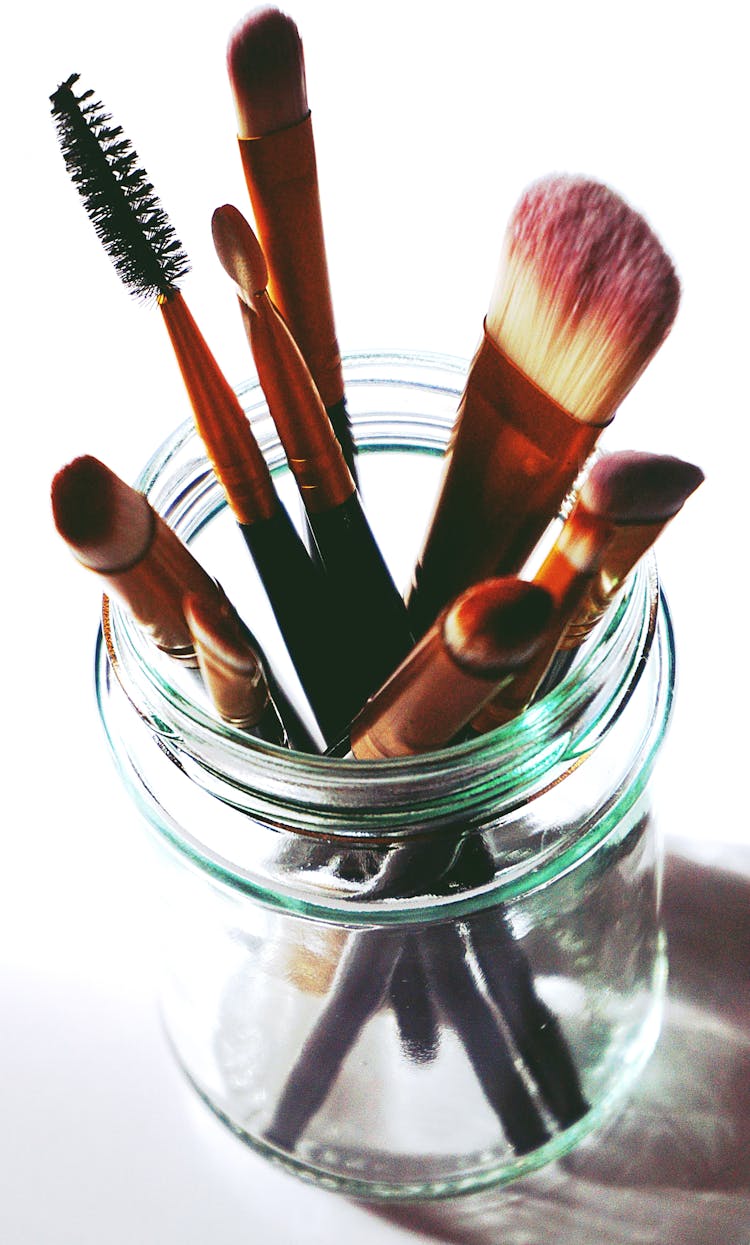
{"points": [[362, 980], [438, 963]]}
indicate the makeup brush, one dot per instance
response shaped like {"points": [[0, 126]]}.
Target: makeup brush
{"points": [[492, 630], [646, 491], [114, 531], [584, 297], [372, 619], [231, 668], [265, 60], [625, 501], [476, 645], [139, 239]]}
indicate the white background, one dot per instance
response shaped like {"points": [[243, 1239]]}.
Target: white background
{"points": [[429, 122]]}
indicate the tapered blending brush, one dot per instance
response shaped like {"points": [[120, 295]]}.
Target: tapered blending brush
{"points": [[142, 244], [584, 297], [266, 67], [372, 621], [114, 531], [625, 501]]}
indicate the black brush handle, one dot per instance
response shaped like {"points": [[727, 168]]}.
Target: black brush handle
{"points": [[360, 985], [304, 610], [444, 955], [413, 1005], [509, 981], [362, 978], [373, 616], [339, 417]]}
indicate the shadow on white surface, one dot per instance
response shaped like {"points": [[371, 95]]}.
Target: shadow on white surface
{"points": [[101, 1141], [674, 1167]]}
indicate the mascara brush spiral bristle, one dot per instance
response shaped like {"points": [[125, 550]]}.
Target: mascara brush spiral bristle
{"points": [[127, 216]]}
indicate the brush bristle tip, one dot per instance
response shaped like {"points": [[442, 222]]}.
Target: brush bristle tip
{"points": [[266, 68]]}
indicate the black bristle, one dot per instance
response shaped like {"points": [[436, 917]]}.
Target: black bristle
{"points": [[127, 216]]}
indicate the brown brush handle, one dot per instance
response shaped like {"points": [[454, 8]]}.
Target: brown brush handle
{"points": [[152, 589], [221, 422], [282, 180], [512, 459], [626, 548], [315, 457]]}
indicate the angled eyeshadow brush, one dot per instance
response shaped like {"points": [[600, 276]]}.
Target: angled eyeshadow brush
{"points": [[623, 504], [232, 669], [645, 491]]}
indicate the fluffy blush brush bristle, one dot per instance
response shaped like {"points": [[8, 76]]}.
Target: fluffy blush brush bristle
{"points": [[585, 294]]}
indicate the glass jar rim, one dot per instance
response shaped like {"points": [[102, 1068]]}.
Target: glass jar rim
{"points": [[516, 762]]}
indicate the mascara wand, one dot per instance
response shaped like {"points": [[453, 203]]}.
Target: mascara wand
{"points": [[138, 236]]}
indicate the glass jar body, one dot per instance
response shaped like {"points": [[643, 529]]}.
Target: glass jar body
{"points": [[408, 978]]}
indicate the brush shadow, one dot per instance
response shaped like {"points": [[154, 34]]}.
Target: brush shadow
{"points": [[674, 1166]]}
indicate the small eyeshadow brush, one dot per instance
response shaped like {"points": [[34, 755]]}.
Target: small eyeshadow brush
{"points": [[266, 65]]}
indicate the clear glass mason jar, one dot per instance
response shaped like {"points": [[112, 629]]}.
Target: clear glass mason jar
{"points": [[405, 978]]}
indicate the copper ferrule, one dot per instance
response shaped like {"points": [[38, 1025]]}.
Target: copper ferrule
{"points": [[574, 559], [282, 180], [567, 573], [313, 452], [240, 697], [424, 704], [221, 422], [513, 457], [628, 544], [152, 590]]}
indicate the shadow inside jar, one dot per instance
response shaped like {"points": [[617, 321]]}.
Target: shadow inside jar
{"points": [[674, 1165]]}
